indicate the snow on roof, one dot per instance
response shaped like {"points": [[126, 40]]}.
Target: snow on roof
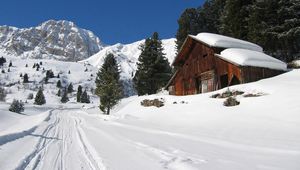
{"points": [[216, 40], [246, 57]]}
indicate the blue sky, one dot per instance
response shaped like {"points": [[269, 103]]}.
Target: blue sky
{"points": [[113, 21]]}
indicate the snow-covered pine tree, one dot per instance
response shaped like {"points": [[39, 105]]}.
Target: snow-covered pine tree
{"points": [[85, 98], [16, 106], [79, 93], [108, 86], [25, 78], [2, 61], [3, 94], [58, 84], [70, 88], [64, 98], [58, 93], [153, 69], [40, 98]]}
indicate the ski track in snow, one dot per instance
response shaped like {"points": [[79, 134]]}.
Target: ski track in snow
{"points": [[60, 145], [72, 139]]}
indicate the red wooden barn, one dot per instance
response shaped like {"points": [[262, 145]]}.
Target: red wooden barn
{"points": [[209, 62]]}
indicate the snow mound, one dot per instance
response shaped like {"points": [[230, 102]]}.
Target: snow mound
{"points": [[246, 57], [222, 41]]}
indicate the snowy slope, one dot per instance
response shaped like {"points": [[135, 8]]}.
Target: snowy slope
{"points": [[196, 132], [127, 55]]}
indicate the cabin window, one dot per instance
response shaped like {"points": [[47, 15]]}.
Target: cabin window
{"points": [[204, 55], [207, 85]]}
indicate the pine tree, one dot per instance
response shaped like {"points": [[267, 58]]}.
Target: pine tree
{"points": [[58, 93], [40, 98], [10, 64], [25, 78], [16, 106], [188, 23], [69, 72], [153, 69], [21, 75], [34, 65], [70, 88], [58, 84], [234, 20], [3, 94], [2, 61], [64, 98], [26, 65], [108, 84], [79, 93], [85, 97]]}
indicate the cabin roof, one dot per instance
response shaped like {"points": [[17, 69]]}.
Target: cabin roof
{"points": [[221, 41], [215, 41], [245, 57]]}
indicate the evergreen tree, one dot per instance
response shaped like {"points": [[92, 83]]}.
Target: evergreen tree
{"points": [[153, 69], [70, 88], [58, 93], [64, 98], [25, 78], [34, 65], [3, 94], [69, 72], [79, 93], [108, 84], [234, 20], [49, 74], [8, 70], [21, 75], [26, 65], [40, 98], [85, 97], [58, 76], [16, 106], [2, 61], [10, 64], [3, 71], [58, 84], [211, 12], [188, 23]]}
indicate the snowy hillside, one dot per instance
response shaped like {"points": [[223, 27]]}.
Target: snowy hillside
{"points": [[127, 55], [61, 40], [12, 78], [188, 132]]}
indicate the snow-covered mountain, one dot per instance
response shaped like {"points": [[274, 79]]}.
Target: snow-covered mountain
{"points": [[61, 40], [127, 55]]}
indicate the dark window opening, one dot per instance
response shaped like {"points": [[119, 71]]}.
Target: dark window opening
{"points": [[204, 55], [234, 81], [224, 80]]}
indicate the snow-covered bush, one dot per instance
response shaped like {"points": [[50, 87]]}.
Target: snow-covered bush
{"points": [[16, 106]]}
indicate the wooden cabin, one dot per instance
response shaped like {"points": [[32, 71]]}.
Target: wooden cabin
{"points": [[209, 62]]}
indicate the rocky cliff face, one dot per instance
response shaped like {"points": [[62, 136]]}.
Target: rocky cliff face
{"points": [[61, 40]]}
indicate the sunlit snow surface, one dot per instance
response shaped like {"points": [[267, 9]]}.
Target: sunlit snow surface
{"points": [[189, 132]]}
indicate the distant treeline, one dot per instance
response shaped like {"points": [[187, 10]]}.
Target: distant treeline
{"points": [[272, 24]]}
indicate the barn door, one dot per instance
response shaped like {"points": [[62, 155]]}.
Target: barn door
{"points": [[207, 81]]}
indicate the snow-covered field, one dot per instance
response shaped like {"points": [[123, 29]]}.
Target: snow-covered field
{"points": [[189, 132]]}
